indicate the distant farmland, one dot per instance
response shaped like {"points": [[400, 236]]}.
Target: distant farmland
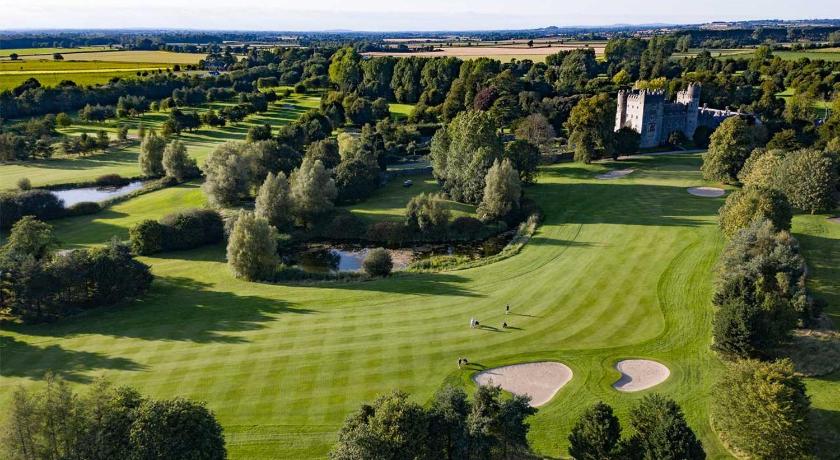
{"points": [[87, 68], [134, 56], [501, 52]]}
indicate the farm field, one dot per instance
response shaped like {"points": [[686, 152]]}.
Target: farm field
{"points": [[501, 52], [135, 56], [44, 66], [9, 81], [618, 269], [22, 52]]}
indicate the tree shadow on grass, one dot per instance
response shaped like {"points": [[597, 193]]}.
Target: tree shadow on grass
{"points": [[826, 429], [178, 309], [623, 204], [21, 359], [424, 284]]}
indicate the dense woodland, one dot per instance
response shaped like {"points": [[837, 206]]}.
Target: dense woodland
{"points": [[485, 126]]}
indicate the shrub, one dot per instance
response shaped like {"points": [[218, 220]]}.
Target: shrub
{"points": [[344, 226], [83, 208], [762, 409], [627, 141], [111, 180], [300, 88], [752, 204], [38, 203], [378, 262], [23, 184], [389, 233], [426, 213], [146, 237], [466, 228], [192, 228]]}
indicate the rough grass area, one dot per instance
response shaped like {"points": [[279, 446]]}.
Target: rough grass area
{"points": [[618, 270], [124, 161]]}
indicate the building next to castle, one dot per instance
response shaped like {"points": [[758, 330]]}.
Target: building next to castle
{"points": [[648, 113]]}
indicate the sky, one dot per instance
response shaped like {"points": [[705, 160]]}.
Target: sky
{"points": [[391, 15]]}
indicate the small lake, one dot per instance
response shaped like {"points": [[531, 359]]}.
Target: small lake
{"points": [[324, 258], [95, 194]]}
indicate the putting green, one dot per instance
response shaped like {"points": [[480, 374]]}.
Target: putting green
{"points": [[619, 270]]}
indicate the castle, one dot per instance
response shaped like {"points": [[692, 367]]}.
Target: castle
{"points": [[649, 114]]}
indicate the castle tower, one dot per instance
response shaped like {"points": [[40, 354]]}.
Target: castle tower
{"points": [[691, 99], [621, 110]]}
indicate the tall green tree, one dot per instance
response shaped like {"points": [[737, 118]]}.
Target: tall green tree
{"points": [[762, 408], [596, 434], [590, 128], [252, 248], [345, 69], [228, 174], [176, 162], [274, 201], [662, 432], [151, 154], [750, 204], [730, 146], [312, 189], [502, 191], [463, 152]]}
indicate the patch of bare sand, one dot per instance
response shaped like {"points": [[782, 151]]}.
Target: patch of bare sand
{"points": [[615, 174], [640, 374], [707, 192], [540, 380], [834, 220]]}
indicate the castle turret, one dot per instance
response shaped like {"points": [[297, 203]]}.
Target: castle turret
{"points": [[691, 99], [621, 110]]}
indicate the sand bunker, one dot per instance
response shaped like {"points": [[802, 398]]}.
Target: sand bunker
{"points": [[541, 381], [615, 174], [707, 192], [834, 220], [640, 374]]}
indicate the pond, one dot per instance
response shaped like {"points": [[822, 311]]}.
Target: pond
{"points": [[325, 258], [95, 194]]}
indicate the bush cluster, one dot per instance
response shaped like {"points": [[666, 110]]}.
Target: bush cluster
{"points": [[177, 231]]}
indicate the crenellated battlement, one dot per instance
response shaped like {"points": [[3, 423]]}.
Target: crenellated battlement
{"points": [[650, 114]]}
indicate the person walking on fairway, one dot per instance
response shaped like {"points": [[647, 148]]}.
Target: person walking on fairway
{"points": [[507, 309]]}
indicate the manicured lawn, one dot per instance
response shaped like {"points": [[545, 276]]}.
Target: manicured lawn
{"points": [[5, 53], [618, 269], [69, 66], [389, 202], [124, 161]]}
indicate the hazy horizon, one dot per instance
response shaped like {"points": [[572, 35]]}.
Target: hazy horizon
{"points": [[384, 16]]}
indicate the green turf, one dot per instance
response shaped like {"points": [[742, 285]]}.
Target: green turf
{"points": [[389, 202], [618, 269], [70, 66], [124, 161]]}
